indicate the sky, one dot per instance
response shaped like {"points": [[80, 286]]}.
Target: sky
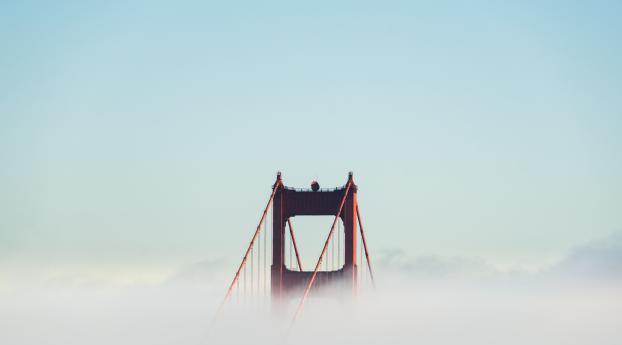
{"points": [[139, 141], [137, 134]]}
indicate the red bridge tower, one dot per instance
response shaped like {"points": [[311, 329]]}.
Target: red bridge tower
{"points": [[290, 202]]}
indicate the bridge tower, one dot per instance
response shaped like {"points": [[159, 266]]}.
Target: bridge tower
{"points": [[291, 202], [284, 282]]}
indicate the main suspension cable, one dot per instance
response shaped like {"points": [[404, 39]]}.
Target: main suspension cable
{"points": [[319, 261], [291, 233], [371, 272], [276, 186]]}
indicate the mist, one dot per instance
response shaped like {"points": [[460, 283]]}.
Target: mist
{"points": [[416, 300]]}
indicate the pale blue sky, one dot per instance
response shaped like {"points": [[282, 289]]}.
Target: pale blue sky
{"points": [[152, 131]]}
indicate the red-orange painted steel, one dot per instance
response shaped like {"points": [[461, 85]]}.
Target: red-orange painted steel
{"points": [[319, 261], [371, 272], [289, 202], [250, 246], [291, 233]]}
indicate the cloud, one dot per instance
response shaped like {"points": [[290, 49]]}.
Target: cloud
{"points": [[600, 259], [396, 260], [202, 272], [482, 311]]}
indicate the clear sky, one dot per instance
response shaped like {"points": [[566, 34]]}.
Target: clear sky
{"points": [[146, 131]]}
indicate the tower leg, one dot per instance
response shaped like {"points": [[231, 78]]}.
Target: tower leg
{"points": [[278, 248], [350, 226]]}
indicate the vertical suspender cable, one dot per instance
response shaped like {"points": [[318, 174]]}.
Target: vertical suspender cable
{"points": [[259, 240], [291, 265], [259, 265], [276, 186], [282, 245], [270, 245], [265, 237], [332, 266], [251, 284], [332, 262], [362, 271], [339, 244], [283, 253]]}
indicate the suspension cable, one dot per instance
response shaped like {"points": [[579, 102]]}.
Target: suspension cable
{"points": [[332, 265], [276, 186], [251, 284], [360, 255], [291, 233], [339, 244], [265, 236], [319, 261], [259, 264], [371, 272]]}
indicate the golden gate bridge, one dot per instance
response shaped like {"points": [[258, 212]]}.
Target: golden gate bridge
{"points": [[265, 271]]}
